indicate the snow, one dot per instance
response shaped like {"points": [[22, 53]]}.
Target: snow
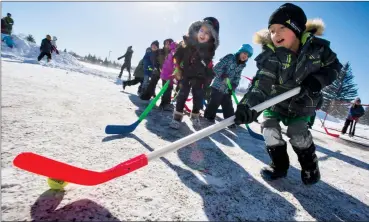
{"points": [[60, 111], [27, 52]]}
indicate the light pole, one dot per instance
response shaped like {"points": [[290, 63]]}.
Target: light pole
{"points": [[109, 55]]}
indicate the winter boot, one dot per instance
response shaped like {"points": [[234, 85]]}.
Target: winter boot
{"points": [[139, 90], [167, 107], [177, 119], [124, 85], [310, 173], [195, 119], [280, 162]]}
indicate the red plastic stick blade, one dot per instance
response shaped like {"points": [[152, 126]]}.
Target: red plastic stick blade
{"points": [[331, 134], [61, 171]]}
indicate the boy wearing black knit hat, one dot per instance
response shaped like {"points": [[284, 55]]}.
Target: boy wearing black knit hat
{"points": [[292, 56]]}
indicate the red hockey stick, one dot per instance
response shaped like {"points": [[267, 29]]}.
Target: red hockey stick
{"points": [[61, 171]]}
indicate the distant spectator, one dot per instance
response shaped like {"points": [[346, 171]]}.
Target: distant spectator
{"points": [[355, 112], [8, 24], [54, 47], [127, 62]]}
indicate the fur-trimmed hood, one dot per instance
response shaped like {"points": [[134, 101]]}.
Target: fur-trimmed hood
{"points": [[195, 27], [314, 26]]}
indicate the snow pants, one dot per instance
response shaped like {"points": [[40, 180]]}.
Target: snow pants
{"points": [[348, 122], [42, 54], [166, 98], [197, 92], [127, 66], [217, 99], [148, 90], [297, 131]]}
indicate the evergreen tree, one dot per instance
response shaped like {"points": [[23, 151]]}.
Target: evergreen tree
{"points": [[105, 63], [341, 90], [65, 50], [30, 38]]}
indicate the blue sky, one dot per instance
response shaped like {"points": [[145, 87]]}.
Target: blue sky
{"points": [[98, 27]]}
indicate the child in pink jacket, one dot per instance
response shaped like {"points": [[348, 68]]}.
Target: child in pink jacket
{"points": [[166, 74]]}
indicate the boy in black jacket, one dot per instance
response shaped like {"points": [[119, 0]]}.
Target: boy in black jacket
{"points": [[292, 56]]}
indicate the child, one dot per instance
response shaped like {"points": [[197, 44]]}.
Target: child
{"points": [[45, 48], [230, 67], [166, 72], [193, 61], [292, 56], [159, 58], [356, 111], [139, 76], [151, 70]]}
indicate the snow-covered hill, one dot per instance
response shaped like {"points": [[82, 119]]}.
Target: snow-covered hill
{"points": [[62, 114], [27, 52]]}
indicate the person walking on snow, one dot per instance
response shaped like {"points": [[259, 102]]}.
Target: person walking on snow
{"points": [[355, 112], [230, 66], [194, 67], [139, 76], [127, 62], [291, 56], [45, 48]]}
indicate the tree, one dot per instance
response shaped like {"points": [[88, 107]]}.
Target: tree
{"points": [[30, 38], [105, 63], [341, 90], [65, 50]]}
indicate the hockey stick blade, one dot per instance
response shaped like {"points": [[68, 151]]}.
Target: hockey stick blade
{"points": [[331, 134], [41, 165], [121, 129], [254, 135]]}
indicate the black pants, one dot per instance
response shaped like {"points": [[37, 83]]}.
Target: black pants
{"points": [[197, 93], [347, 124], [127, 66], [134, 81], [42, 54], [217, 99], [150, 89], [166, 98]]}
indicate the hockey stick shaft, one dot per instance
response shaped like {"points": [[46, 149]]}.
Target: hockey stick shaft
{"points": [[218, 126]]}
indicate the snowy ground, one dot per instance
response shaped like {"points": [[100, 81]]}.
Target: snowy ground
{"points": [[62, 114]]}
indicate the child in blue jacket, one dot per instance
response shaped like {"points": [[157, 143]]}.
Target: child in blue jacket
{"points": [[230, 66]]}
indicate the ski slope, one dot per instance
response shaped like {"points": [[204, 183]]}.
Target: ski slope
{"points": [[61, 113]]}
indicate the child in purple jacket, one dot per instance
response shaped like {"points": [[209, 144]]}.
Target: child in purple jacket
{"points": [[166, 74]]}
